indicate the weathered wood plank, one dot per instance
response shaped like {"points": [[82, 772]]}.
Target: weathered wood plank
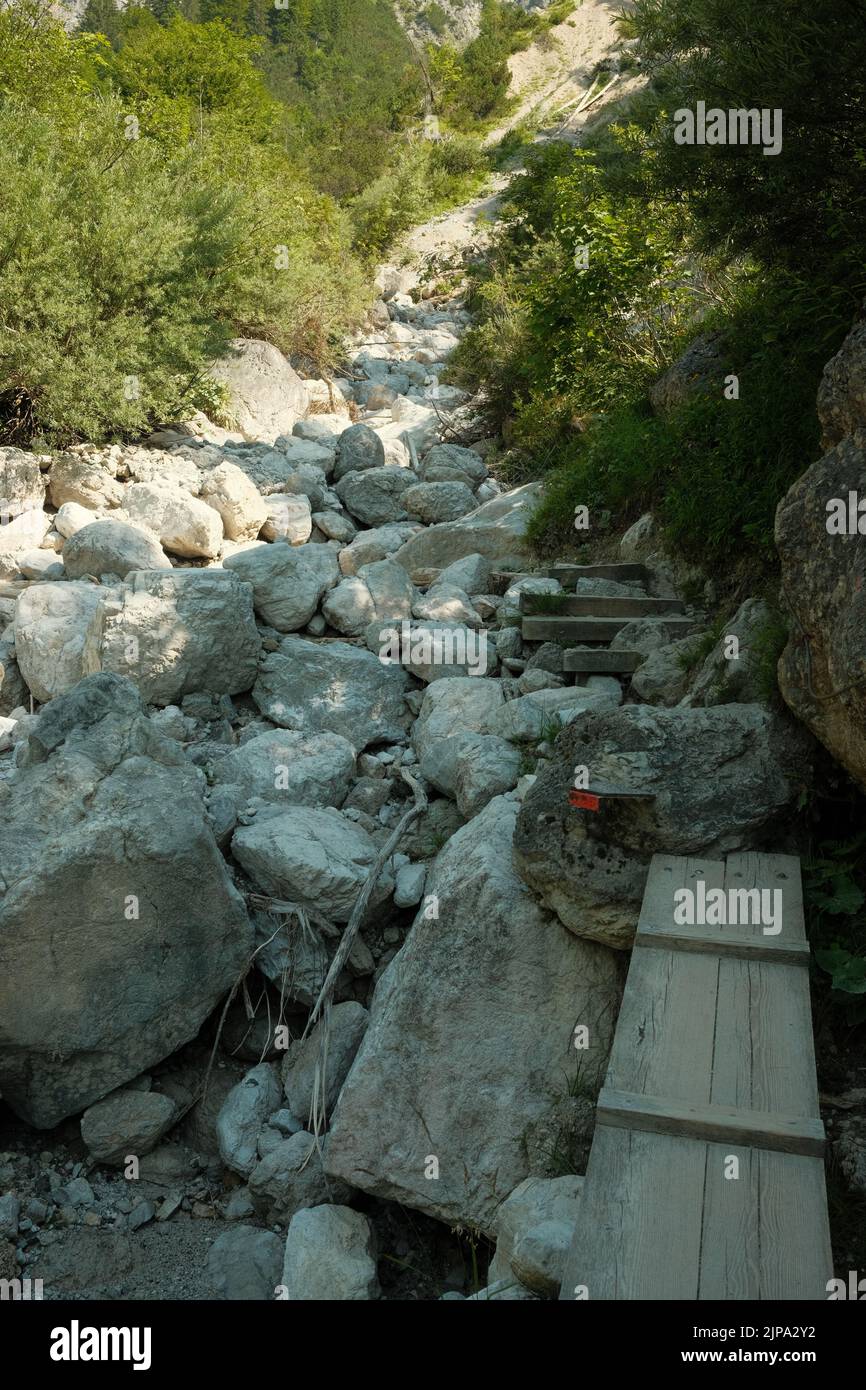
{"points": [[594, 629], [765, 1233], [638, 1232], [601, 660], [714, 1124], [623, 572], [598, 606], [731, 943], [659, 1219], [793, 1228], [712, 1060]]}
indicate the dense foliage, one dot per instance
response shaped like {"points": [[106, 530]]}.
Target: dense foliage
{"points": [[149, 215], [683, 238], [184, 171]]}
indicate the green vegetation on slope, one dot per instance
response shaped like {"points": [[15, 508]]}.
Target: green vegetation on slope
{"points": [[149, 215], [185, 171], [767, 250]]}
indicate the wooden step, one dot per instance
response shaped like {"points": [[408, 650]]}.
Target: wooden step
{"points": [[568, 575], [625, 573], [594, 629], [597, 606], [600, 661]]}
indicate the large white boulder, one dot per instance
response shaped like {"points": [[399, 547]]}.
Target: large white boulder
{"points": [[313, 686], [175, 633], [50, 626], [230, 492], [288, 581], [111, 547], [120, 929], [265, 394], [185, 525], [375, 496], [284, 766], [313, 856], [329, 1256], [470, 1045], [496, 530]]}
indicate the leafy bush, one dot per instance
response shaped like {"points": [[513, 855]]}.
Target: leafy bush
{"points": [[110, 284], [424, 177], [472, 85], [802, 208], [133, 252], [556, 340]]}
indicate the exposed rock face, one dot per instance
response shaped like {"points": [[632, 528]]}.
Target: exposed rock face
{"points": [[243, 1115], [431, 502], [288, 517], [451, 463], [700, 369], [376, 495], [22, 486], [358, 448], [291, 1178], [283, 766], [534, 1230], [452, 710], [723, 779], [176, 632], [185, 525], [663, 678], [126, 1122], [288, 581], [86, 478], [244, 1263], [345, 1030], [332, 686], [379, 591], [495, 530], [470, 1036], [116, 895], [842, 393], [231, 493], [723, 679], [822, 671], [266, 395]]}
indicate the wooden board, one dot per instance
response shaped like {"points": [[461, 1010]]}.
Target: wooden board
{"points": [[601, 606], [660, 1220], [623, 573], [722, 1124], [594, 629], [712, 1059], [732, 943], [595, 660]]}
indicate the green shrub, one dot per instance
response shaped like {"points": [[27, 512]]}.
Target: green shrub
{"points": [[143, 228], [115, 260], [424, 178]]}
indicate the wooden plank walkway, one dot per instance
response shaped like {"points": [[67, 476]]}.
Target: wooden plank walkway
{"points": [[712, 1060]]}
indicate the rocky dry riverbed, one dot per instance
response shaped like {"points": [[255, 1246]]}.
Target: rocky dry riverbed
{"points": [[207, 740]]}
